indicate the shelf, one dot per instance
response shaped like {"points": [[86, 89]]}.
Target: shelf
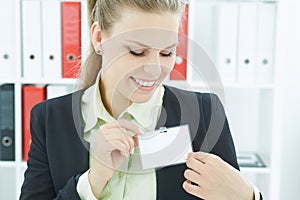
{"points": [[23, 164], [7, 164], [46, 81], [201, 85], [12, 164], [234, 86], [8, 81], [259, 170], [185, 84], [218, 1], [64, 81]]}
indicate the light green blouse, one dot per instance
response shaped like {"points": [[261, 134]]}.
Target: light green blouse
{"points": [[131, 182]]}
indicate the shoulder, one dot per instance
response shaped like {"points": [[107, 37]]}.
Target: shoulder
{"points": [[203, 98], [192, 102], [61, 104]]}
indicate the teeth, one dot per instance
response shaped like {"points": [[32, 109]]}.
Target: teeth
{"points": [[144, 83]]}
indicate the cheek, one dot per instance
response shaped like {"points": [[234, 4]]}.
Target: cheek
{"points": [[129, 64], [121, 67], [168, 65], [165, 70]]}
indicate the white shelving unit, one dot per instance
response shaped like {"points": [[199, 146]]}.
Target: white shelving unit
{"points": [[12, 172], [250, 108]]}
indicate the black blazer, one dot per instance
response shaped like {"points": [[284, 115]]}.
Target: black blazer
{"points": [[58, 154]]}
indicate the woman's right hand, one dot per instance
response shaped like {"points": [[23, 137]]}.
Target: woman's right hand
{"points": [[108, 151]]}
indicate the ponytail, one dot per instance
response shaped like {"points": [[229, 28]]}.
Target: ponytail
{"points": [[91, 10], [92, 65]]}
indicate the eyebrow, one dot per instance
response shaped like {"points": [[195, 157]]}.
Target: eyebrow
{"points": [[147, 46]]}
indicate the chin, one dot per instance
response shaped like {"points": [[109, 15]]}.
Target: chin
{"points": [[139, 98]]}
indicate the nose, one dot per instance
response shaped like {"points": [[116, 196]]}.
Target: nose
{"points": [[153, 66]]}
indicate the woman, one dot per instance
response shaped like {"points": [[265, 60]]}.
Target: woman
{"points": [[82, 143]]}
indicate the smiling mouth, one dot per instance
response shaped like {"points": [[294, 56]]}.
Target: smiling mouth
{"points": [[144, 83]]}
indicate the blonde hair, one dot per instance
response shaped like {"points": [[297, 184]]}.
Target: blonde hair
{"points": [[107, 12]]}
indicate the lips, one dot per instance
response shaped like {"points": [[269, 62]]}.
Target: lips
{"points": [[144, 83]]}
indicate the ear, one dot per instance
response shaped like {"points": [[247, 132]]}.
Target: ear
{"points": [[96, 37]]}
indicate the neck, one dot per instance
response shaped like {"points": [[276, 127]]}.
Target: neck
{"points": [[114, 102]]}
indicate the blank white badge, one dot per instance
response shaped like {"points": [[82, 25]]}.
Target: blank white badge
{"points": [[164, 147]]}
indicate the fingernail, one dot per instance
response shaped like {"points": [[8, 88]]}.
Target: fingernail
{"points": [[126, 154]]}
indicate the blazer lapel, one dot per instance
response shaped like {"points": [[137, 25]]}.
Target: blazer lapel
{"points": [[175, 111]]}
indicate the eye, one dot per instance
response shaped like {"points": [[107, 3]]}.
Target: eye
{"points": [[137, 53], [166, 53]]}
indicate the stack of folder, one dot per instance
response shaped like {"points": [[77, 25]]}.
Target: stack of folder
{"points": [[239, 37], [55, 38], [51, 39], [32, 95]]}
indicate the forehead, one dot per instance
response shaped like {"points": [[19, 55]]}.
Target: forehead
{"points": [[157, 30]]}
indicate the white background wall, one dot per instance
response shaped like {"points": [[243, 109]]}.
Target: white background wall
{"points": [[288, 61]]}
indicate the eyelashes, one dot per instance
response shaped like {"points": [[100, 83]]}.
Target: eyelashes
{"points": [[143, 53], [137, 53]]}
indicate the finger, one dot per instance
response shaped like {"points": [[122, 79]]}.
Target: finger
{"points": [[195, 165], [130, 142], [192, 189], [110, 146], [199, 155], [118, 145], [127, 125], [121, 139], [123, 123], [193, 176], [210, 159], [136, 141], [113, 134], [127, 139]]}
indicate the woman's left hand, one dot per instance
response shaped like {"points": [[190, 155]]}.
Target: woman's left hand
{"points": [[214, 179]]}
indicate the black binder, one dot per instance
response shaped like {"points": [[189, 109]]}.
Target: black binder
{"points": [[7, 122]]}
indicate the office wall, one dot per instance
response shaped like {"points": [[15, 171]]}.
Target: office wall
{"points": [[288, 57]]}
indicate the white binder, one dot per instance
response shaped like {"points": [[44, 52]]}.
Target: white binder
{"points": [[266, 38], [85, 34], [51, 35], [226, 40], [247, 42], [58, 90], [31, 30], [201, 29], [8, 40]]}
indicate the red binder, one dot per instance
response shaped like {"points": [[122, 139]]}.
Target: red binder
{"points": [[179, 71], [71, 38], [31, 95]]}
